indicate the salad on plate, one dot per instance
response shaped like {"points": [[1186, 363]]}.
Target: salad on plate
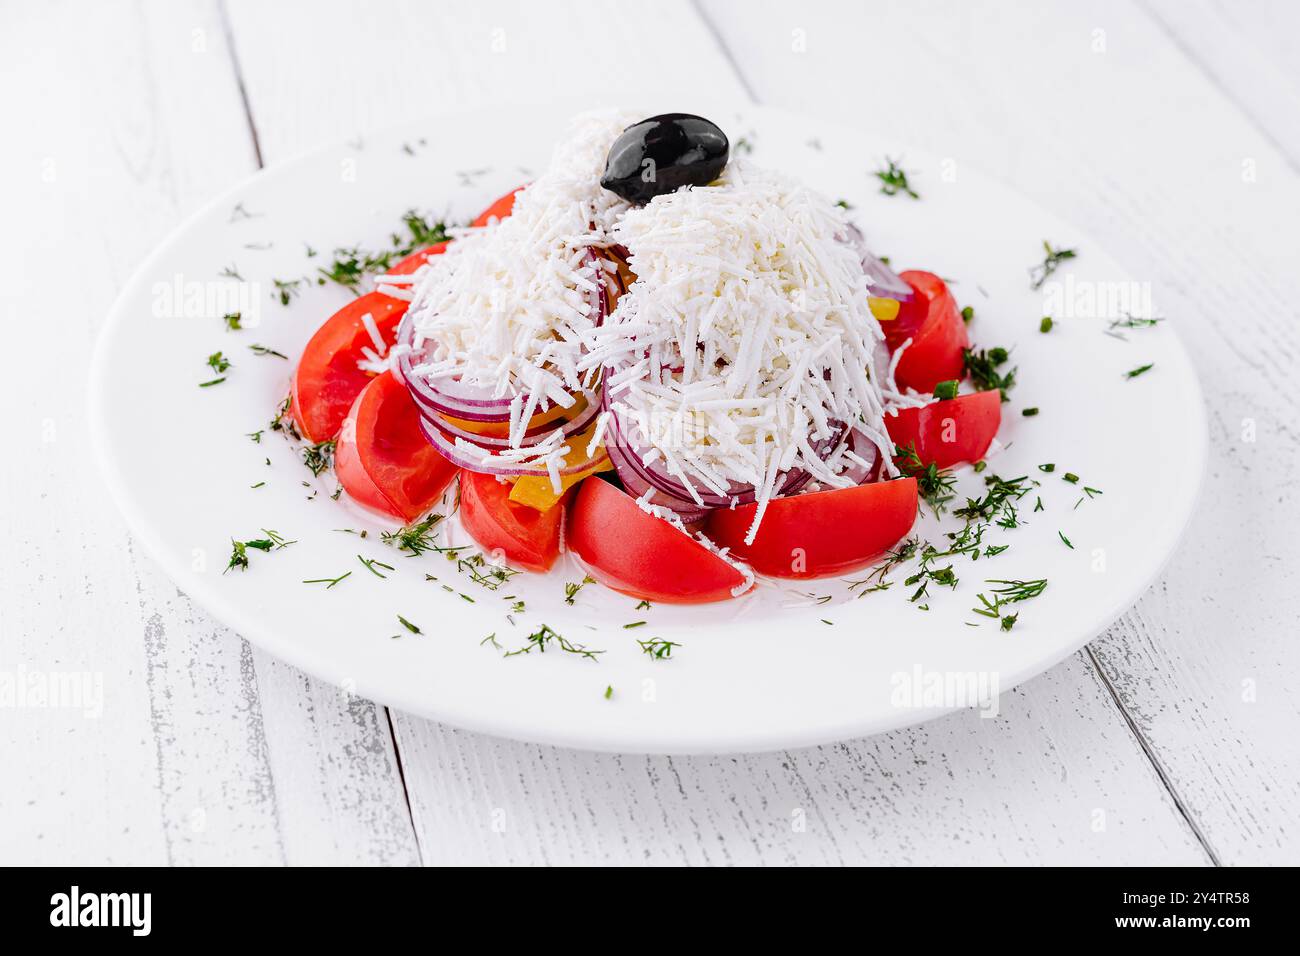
{"points": [[685, 370]]}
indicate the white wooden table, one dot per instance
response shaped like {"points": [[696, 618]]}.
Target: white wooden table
{"points": [[1165, 128]]}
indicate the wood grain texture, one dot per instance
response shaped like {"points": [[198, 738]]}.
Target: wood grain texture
{"points": [[1200, 201], [205, 751], [1055, 778]]}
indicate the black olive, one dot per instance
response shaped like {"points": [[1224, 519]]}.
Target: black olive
{"points": [[662, 154]]}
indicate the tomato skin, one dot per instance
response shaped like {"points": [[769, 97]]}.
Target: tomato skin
{"points": [[383, 459], [327, 381], [528, 538], [938, 334], [822, 532], [408, 264], [638, 554], [951, 431], [500, 208]]}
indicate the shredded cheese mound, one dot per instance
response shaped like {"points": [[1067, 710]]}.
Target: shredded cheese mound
{"points": [[745, 348], [506, 307]]}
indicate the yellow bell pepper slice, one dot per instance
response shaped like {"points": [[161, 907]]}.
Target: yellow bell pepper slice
{"points": [[536, 491]]}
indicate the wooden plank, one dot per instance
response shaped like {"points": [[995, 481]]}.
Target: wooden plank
{"points": [[1106, 120], [133, 121], [560, 806], [1248, 53], [1046, 782]]}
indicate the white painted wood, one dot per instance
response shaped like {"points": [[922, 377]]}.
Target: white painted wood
{"points": [[1050, 780], [206, 752], [1124, 134]]}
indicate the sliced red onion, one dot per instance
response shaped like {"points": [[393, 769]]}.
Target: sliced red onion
{"points": [[447, 396], [864, 448], [637, 486], [656, 473], [450, 450], [882, 281], [531, 437]]}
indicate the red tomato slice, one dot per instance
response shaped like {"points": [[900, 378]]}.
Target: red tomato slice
{"points": [[501, 209], [638, 554], [327, 380], [820, 533], [405, 266], [938, 334], [526, 537], [383, 459], [951, 431]]}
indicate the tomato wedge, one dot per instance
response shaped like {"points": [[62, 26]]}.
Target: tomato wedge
{"points": [[499, 209], [638, 554], [383, 459], [820, 533], [528, 538], [950, 431], [327, 380], [938, 334]]}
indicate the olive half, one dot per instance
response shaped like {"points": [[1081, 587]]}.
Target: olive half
{"points": [[662, 154]]}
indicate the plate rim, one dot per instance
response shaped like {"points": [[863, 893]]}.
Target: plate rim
{"points": [[301, 655]]}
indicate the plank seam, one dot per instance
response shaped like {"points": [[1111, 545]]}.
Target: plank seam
{"points": [[401, 775], [1154, 760], [239, 82], [724, 49], [1192, 57]]}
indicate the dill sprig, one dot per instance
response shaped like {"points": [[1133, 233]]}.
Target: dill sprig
{"points": [[1134, 373], [287, 289], [571, 589], [372, 565], [351, 265], [239, 549], [485, 575], [983, 367], [934, 484], [1051, 262], [416, 538], [893, 180], [329, 582], [318, 457], [263, 350], [546, 637], [657, 648]]}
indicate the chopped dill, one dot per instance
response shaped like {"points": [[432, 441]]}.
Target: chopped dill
{"points": [[1051, 262], [893, 180]]}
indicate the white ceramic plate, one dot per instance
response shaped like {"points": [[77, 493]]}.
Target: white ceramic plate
{"points": [[780, 668]]}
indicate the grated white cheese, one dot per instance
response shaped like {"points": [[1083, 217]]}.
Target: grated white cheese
{"points": [[507, 305], [746, 339], [506, 308]]}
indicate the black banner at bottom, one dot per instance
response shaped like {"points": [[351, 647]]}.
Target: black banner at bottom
{"points": [[337, 906]]}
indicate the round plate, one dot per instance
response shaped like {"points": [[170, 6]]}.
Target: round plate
{"points": [[789, 665]]}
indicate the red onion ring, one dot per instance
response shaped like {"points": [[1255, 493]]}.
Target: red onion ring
{"points": [[657, 476], [531, 437], [448, 448], [637, 486], [447, 396], [882, 281]]}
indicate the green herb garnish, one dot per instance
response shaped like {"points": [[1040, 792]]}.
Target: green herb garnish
{"points": [[1051, 262], [893, 180]]}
